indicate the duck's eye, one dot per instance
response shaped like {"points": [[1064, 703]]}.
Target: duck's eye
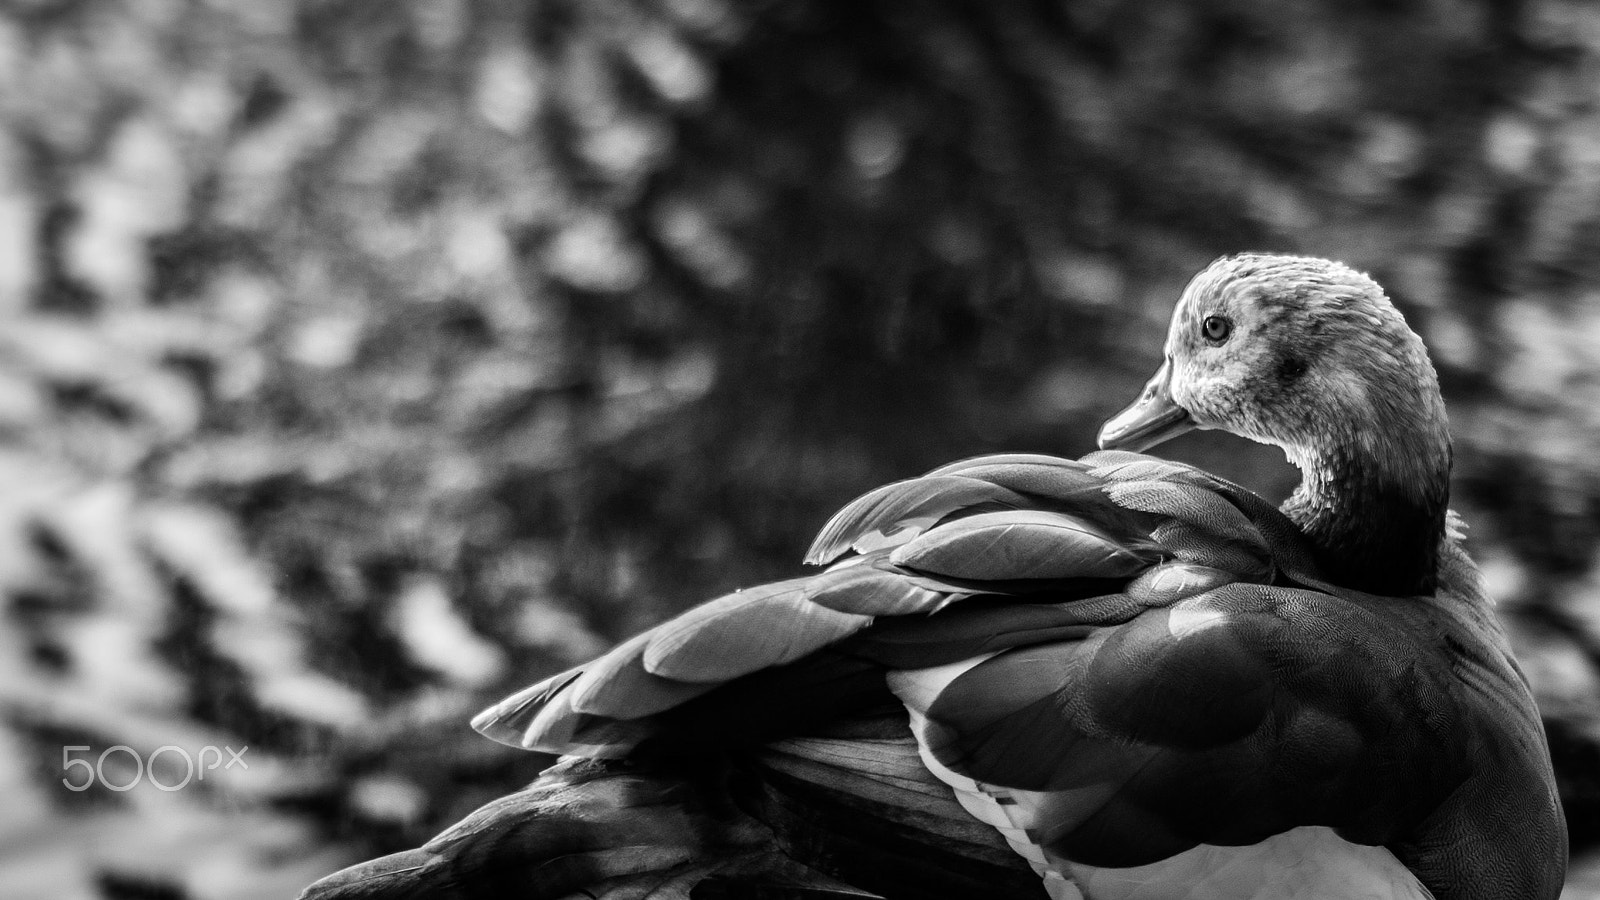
{"points": [[1216, 329]]}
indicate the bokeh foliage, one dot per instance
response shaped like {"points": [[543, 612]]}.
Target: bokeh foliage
{"points": [[360, 359]]}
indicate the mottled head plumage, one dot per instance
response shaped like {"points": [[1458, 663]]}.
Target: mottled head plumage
{"points": [[1313, 346], [1311, 355]]}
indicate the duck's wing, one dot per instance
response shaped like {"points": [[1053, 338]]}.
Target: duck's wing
{"points": [[1116, 649], [975, 557]]}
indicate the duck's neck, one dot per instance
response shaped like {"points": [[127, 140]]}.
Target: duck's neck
{"points": [[1375, 514]]}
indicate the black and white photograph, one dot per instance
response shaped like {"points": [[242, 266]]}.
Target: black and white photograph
{"points": [[799, 450]]}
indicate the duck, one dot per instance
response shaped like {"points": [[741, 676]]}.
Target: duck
{"points": [[1117, 677]]}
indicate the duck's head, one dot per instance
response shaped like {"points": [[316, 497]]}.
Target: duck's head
{"points": [[1311, 356]]}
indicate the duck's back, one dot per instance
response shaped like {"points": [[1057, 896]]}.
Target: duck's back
{"points": [[1503, 833], [1128, 669]]}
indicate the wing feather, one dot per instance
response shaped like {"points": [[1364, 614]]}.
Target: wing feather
{"points": [[1059, 485], [1122, 466], [1204, 509], [965, 466], [980, 626], [874, 587], [1190, 544], [553, 726], [1020, 544], [1171, 582], [898, 511], [508, 720], [620, 686], [742, 632]]}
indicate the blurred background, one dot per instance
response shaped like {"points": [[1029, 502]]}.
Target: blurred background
{"points": [[361, 360]]}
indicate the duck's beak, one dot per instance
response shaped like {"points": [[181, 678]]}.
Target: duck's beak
{"points": [[1152, 419]]}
